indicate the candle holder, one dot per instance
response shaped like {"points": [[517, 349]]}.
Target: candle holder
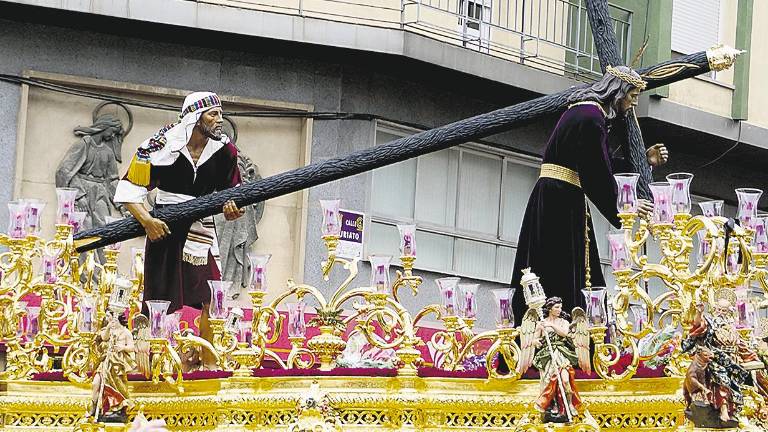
{"points": [[76, 219], [468, 304], [331, 218], [17, 216], [224, 341], [34, 216], [620, 258], [595, 300], [626, 198], [259, 271], [65, 205], [505, 317], [662, 203], [747, 213], [157, 312], [219, 289], [681, 195], [296, 358], [380, 272], [713, 208], [448, 288], [246, 359], [406, 277]]}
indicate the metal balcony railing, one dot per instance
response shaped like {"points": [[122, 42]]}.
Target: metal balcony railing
{"points": [[549, 34]]}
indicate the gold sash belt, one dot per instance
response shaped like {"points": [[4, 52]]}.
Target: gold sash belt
{"points": [[560, 173]]}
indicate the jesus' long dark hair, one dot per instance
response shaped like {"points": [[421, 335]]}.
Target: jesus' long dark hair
{"points": [[608, 91], [550, 303]]}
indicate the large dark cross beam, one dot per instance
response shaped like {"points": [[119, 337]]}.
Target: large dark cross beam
{"points": [[608, 52], [440, 138]]}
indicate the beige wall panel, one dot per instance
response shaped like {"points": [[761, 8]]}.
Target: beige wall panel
{"points": [[275, 145], [758, 67]]}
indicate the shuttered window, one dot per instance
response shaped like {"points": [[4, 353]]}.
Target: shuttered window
{"points": [[695, 25]]}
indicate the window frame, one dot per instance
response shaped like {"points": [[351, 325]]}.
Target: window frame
{"points": [[504, 155]]}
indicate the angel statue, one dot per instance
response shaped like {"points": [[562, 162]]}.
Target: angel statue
{"points": [[555, 346], [116, 348]]}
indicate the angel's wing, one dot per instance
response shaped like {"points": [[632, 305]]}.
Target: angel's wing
{"points": [[527, 337], [580, 336]]}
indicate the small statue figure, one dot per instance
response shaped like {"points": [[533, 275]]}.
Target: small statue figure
{"points": [[695, 388], [555, 347], [237, 236], [141, 334], [110, 398], [722, 354], [91, 164], [314, 413]]}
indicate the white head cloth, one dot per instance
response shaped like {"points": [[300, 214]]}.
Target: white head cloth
{"points": [[163, 148]]}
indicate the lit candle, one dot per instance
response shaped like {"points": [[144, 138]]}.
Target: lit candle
{"points": [[157, 323], [407, 239], [49, 269], [380, 278], [258, 278], [469, 301], [407, 243], [504, 309]]}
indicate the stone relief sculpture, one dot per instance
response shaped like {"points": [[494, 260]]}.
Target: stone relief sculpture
{"points": [[90, 164], [237, 236]]}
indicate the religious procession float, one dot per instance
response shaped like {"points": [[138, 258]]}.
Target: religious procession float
{"points": [[65, 320], [79, 354]]}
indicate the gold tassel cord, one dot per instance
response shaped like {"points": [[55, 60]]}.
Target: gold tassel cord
{"points": [[138, 172]]}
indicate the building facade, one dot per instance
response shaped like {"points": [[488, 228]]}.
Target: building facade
{"points": [[402, 66]]}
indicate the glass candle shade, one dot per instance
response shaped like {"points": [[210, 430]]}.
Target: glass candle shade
{"points": [[748, 198], [595, 299], [246, 332], [705, 246], [65, 205], [331, 217], [17, 219], [296, 325], [712, 208], [34, 215], [662, 202], [76, 219], [172, 324], [626, 198], [639, 315], [505, 317], [380, 272], [448, 291], [620, 259], [233, 319], [33, 321], [259, 271], [681, 191], [50, 274], [468, 303], [732, 259], [87, 310], [157, 312], [761, 235], [219, 290], [407, 239]]}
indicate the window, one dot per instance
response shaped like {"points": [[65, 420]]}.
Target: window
{"points": [[695, 25], [468, 203], [474, 16]]}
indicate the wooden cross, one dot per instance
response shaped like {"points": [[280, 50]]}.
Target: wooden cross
{"points": [[440, 138]]}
